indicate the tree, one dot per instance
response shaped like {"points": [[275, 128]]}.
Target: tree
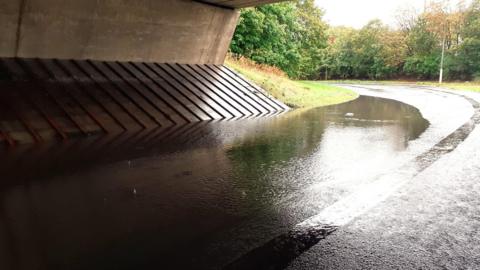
{"points": [[313, 38], [267, 34], [372, 52], [423, 57], [445, 24], [469, 50], [287, 35], [406, 18], [340, 52], [293, 37]]}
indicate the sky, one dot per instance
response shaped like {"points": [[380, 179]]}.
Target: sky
{"points": [[356, 13]]}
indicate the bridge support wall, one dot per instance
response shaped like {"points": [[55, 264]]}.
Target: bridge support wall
{"points": [[174, 31]]}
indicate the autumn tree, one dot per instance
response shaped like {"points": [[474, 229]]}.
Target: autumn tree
{"points": [[293, 37], [469, 49]]}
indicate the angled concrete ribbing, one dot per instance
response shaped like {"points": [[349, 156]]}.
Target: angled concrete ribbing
{"points": [[93, 110], [151, 104], [195, 104], [124, 100], [244, 108], [209, 105], [278, 106], [212, 98], [24, 112], [182, 106], [167, 106], [64, 103], [52, 98], [204, 84], [66, 71], [68, 100], [38, 98], [119, 111], [23, 118], [133, 95], [252, 101], [267, 107]]}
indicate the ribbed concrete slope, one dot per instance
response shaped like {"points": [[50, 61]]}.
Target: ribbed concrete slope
{"points": [[48, 98]]}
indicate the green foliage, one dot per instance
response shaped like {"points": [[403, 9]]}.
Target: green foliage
{"points": [[293, 37], [422, 66], [340, 53], [369, 48], [293, 93], [286, 35], [313, 38], [469, 50], [361, 54], [420, 41], [266, 34], [423, 56]]}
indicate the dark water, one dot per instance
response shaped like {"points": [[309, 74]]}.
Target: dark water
{"points": [[196, 196]]}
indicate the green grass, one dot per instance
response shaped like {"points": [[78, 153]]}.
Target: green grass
{"points": [[313, 94], [296, 94], [466, 86]]}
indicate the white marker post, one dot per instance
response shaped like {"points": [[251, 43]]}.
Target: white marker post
{"points": [[440, 79]]}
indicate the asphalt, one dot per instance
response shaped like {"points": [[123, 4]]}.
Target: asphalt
{"points": [[428, 221]]}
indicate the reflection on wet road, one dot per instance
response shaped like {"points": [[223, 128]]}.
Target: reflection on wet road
{"points": [[423, 214], [201, 195]]}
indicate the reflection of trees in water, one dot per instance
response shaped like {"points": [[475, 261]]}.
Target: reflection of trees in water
{"points": [[283, 138], [295, 135], [299, 135], [382, 112]]}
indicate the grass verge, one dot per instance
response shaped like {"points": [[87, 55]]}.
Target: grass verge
{"points": [[466, 86], [296, 94]]}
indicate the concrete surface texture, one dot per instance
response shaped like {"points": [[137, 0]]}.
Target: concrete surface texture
{"points": [[174, 31], [58, 98], [239, 3]]}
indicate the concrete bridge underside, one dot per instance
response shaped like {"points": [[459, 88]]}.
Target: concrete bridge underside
{"points": [[173, 31], [79, 67], [239, 3]]}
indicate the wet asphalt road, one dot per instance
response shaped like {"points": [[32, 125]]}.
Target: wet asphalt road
{"points": [[389, 181], [432, 221]]}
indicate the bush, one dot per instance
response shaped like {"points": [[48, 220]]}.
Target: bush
{"points": [[476, 77], [422, 67]]}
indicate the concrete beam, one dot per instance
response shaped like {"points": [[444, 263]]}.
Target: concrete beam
{"points": [[180, 31], [240, 3]]}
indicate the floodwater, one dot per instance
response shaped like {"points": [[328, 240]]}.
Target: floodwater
{"points": [[193, 197]]}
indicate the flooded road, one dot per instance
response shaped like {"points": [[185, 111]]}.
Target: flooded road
{"points": [[205, 195]]}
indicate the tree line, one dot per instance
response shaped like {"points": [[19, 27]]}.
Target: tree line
{"points": [[293, 37]]}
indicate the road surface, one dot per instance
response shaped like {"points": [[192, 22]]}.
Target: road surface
{"points": [[431, 221]]}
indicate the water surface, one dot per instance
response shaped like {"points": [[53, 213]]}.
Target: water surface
{"points": [[196, 196]]}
